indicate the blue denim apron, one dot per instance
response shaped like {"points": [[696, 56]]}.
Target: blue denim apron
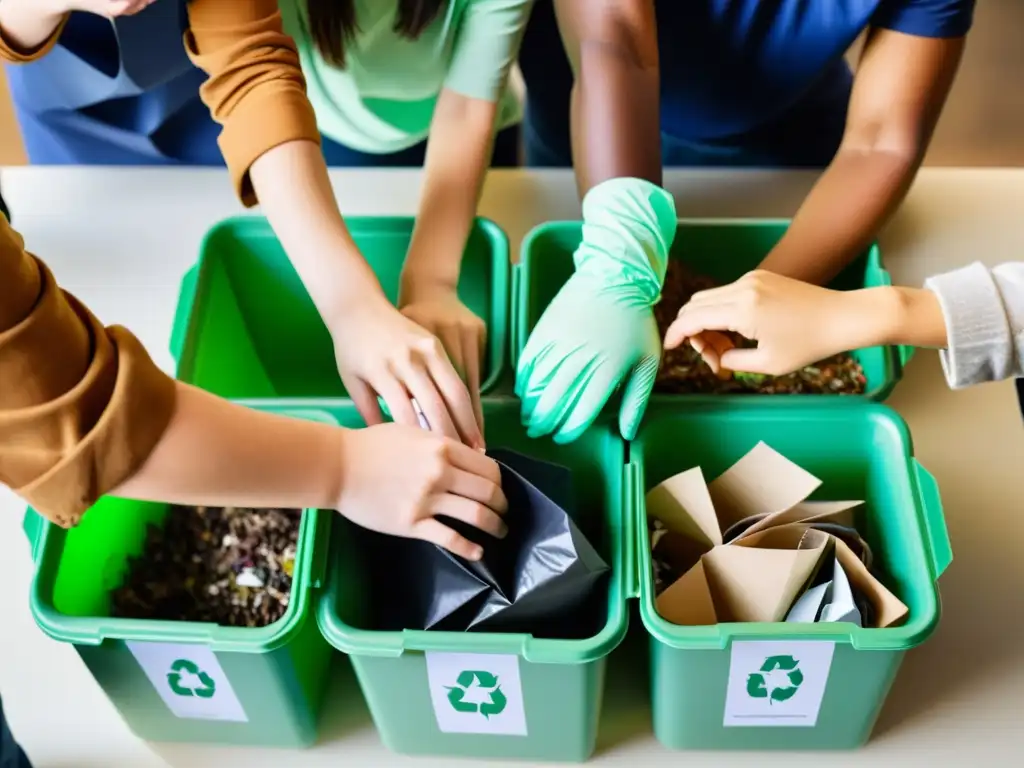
{"points": [[119, 92]]}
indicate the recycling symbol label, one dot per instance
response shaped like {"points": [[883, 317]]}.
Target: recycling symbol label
{"points": [[476, 693], [461, 695], [777, 683], [767, 684], [187, 679]]}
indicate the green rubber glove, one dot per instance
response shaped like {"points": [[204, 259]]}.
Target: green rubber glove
{"points": [[599, 331]]}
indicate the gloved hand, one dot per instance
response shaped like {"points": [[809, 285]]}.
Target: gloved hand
{"points": [[599, 331]]}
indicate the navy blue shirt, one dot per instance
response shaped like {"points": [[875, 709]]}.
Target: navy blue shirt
{"points": [[743, 82], [728, 66]]}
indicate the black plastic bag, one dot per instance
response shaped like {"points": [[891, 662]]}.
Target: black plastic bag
{"points": [[544, 571]]}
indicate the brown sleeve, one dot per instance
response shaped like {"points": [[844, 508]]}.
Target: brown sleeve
{"points": [[81, 406], [255, 88], [16, 55]]}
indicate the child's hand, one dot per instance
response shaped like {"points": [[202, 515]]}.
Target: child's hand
{"points": [[438, 309], [794, 323], [382, 353], [396, 479]]}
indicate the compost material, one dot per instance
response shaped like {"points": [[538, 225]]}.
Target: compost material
{"points": [[684, 372], [230, 566]]}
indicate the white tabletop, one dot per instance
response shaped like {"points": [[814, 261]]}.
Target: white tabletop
{"points": [[121, 239]]}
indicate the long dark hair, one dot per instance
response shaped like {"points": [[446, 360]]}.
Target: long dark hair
{"points": [[332, 23]]}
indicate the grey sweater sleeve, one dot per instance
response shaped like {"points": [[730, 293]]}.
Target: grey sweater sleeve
{"points": [[984, 311]]}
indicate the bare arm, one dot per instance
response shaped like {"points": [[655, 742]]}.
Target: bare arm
{"points": [[901, 86], [28, 25], [613, 48], [219, 454], [458, 154]]}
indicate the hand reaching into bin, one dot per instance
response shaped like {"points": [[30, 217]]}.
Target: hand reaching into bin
{"points": [[381, 352], [599, 331], [397, 479], [438, 309]]}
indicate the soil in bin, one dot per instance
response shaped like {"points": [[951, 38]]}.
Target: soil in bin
{"points": [[684, 372], [230, 566]]}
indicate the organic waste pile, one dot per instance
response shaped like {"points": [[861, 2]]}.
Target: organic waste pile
{"points": [[684, 372], [229, 566]]}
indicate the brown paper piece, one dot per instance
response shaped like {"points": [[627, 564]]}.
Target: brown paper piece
{"points": [[759, 579], [683, 504], [889, 609], [807, 512], [763, 481], [688, 601]]}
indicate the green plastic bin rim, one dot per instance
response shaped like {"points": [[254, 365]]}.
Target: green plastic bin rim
{"points": [[47, 545], [894, 361], [537, 650], [719, 636], [501, 281]]}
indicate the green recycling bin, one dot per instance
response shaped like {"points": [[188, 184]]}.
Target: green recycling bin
{"points": [[722, 249], [179, 681], [246, 328], [700, 675], [551, 689]]}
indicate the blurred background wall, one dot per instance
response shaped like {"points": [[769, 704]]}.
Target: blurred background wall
{"points": [[983, 123]]}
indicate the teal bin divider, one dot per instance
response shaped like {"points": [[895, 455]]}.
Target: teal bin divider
{"points": [[869, 456], [723, 249], [264, 686], [245, 326], [561, 680]]}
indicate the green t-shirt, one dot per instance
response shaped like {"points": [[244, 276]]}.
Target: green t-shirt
{"points": [[383, 100]]}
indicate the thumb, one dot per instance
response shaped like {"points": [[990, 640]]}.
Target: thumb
{"points": [[637, 393], [756, 360]]}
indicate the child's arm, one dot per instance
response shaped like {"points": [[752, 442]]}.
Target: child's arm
{"points": [[84, 412], [900, 88], [976, 315], [458, 155], [255, 89], [30, 28]]}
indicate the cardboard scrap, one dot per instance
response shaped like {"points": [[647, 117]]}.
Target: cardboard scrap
{"points": [[771, 553]]}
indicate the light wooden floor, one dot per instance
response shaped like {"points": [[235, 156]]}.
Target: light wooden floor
{"points": [[983, 124]]}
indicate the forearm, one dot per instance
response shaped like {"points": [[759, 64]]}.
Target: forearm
{"points": [[896, 315], [458, 154], [843, 213], [615, 116], [292, 185], [28, 25], [217, 453]]}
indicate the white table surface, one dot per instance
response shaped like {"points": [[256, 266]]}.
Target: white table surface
{"points": [[121, 239]]}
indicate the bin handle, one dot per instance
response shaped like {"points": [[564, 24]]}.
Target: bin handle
{"points": [[633, 506], [183, 312], [514, 313], [321, 548], [939, 546]]}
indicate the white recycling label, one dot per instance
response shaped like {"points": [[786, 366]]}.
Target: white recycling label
{"points": [[777, 683], [476, 693], [190, 680]]}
